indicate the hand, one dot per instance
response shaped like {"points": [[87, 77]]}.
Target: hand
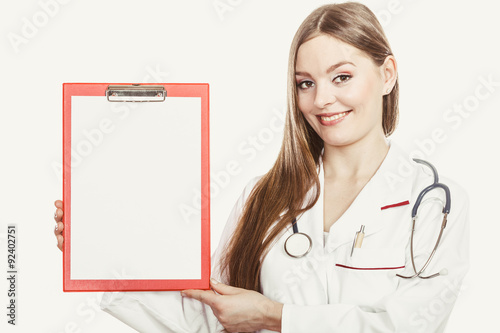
{"points": [[239, 310], [59, 225]]}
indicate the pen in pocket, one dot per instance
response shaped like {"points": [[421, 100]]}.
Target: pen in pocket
{"points": [[358, 239]]}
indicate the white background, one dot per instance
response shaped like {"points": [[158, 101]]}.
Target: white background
{"points": [[443, 48]]}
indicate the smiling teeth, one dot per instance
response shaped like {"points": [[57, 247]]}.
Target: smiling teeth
{"points": [[335, 116]]}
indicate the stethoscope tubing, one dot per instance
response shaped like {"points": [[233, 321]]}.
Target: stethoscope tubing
{"points": [[446, 210], [435, 184], [418, 274]]}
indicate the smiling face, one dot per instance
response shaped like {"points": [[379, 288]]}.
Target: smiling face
{"points": [[340, 91]]}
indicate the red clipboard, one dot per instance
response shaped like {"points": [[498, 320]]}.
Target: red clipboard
{"points": [[136, 187]]}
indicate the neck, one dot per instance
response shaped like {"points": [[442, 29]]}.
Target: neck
{"points": [[359, 160]]}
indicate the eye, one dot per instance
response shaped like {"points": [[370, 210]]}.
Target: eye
{"points": [[342, 78], [305, 85]]}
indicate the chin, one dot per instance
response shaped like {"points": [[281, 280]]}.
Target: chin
{"points": [[338, 142]]}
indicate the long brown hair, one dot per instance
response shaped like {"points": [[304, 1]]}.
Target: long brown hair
{"points": [[278, 197]]}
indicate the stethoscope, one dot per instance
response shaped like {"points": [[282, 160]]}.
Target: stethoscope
{"points": [[298, 244]]}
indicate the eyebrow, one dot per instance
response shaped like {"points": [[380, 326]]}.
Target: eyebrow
{"points": [[330, 69]]}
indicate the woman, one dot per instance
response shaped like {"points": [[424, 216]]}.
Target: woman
{"points": [[336, 171]]}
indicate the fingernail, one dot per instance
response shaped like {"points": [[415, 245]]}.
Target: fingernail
{"points": [[183, 293], [56, 228], [214, 281], [55, 215]]}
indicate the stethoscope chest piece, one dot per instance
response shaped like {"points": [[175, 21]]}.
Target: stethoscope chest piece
{"points": [[298, 245]]}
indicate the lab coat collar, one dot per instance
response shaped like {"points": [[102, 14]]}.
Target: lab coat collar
{"points": [[389, 188]]}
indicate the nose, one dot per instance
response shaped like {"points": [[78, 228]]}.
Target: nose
{"points": [[325, 95]]}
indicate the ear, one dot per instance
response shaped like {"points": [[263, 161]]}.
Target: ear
{"points": [[389, 71]]}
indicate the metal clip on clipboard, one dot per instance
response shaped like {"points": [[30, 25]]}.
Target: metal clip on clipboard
{"points": [[136, 93]]}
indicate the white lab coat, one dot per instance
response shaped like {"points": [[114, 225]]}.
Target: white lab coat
{"points": [[329, 290]]}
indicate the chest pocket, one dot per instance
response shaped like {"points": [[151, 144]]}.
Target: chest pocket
{"points": [[373, 259], [368, 275]]}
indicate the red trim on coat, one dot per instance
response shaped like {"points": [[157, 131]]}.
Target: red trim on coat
{"points": [[404, 203]]}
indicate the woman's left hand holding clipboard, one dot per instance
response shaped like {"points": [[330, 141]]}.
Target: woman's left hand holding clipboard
{"points": [[239, 310]]}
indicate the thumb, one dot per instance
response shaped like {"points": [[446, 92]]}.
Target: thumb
{"points": [[223, 289]]}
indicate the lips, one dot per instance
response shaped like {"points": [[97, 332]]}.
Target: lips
{"points": [[328, 119]]}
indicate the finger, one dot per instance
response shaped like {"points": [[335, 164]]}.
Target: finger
{"points": [[58, 229], [224, 289], [60, 241], [58, 215], [204, 296], [58, 204]]}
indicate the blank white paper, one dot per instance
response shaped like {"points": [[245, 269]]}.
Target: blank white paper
{"points": [[134, 166]]}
